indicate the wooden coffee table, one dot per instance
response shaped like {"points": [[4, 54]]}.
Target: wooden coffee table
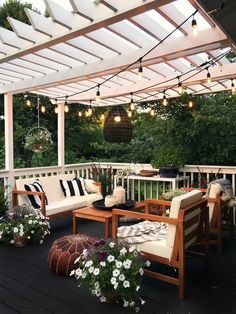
{"points": [[92, 213]]}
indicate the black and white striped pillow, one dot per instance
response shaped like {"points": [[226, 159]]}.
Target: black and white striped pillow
{"points": [[73, 187], [35, 200]]}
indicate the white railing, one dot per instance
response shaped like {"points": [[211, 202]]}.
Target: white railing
{"points": [[138, 189]]}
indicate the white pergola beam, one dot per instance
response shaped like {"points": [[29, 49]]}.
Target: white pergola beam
{"points": [[212, 39], [86, 26], [217, 73]]}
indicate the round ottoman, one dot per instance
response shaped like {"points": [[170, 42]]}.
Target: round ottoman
{"points": [[65, 250]]}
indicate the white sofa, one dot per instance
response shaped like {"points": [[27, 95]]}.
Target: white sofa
{"points": [[58, 204]]}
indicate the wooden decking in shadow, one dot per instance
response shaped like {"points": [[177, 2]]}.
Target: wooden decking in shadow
{"points": [[27, 285]]}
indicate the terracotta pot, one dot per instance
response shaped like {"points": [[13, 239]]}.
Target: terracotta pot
{"points": [[21, 241]]}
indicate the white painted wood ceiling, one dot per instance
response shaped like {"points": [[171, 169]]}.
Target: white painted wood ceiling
{"points": [[77, 48]]}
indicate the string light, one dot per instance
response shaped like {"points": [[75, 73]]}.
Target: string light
{"points": [[190, 104], [164, 101], [80, 114], [43, 109], [90, 109], [140, 70], [131, 106], [208, 76], [102, 116], [194, 27], [232, 86], [28, 101], [97, 99], [66, 107], [180, 87], [129, 113], [117, 119], [152, 112], [86, 114]]}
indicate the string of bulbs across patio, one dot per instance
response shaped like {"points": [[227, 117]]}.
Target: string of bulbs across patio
{"points": [[180, 79]]}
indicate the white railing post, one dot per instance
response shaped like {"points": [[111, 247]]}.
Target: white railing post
{"points": [[9, 151], [61, 137]]}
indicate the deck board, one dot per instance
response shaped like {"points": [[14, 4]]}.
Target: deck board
{"points": [[27, 285]]}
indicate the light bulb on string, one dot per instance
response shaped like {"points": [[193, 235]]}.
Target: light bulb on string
{"points": [[131, 106], [102, 116], [97, 99], [86, 113], [232, 87], [66, 107], [152, 112], [140, 70], [190, 104], [164, 101], [129, 113], [208, 76], [28, 101], [117, 118], [43, 109], [194, 27], [90, 109], [180, 87], [80, 114]]}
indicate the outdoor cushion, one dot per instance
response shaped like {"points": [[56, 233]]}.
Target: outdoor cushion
{"points": [[73, 187], [35, 186]]}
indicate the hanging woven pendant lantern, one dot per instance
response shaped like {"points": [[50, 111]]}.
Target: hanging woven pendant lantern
{"points": [[117, 126]]}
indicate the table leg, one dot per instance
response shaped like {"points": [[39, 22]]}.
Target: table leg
{"points": [[75, 227]]}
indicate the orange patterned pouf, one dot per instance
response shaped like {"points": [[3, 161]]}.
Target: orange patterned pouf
{"points": [[65, 250]]}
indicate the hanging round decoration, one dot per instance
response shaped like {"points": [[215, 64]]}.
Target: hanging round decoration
{"points": [[117, 126], [38, 140]]}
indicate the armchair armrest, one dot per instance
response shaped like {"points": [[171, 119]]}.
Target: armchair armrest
{"points": [[119, 212], [42, 194]]}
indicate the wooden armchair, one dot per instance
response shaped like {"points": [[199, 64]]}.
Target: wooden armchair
{"points": [[216, 207], [188, 223]]}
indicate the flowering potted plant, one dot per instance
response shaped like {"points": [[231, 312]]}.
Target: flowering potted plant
{"points": [[112, 269], [22, 224], [38, 140]]}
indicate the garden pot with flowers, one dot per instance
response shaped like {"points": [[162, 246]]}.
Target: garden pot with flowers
{"points": [[112, 270], [23, 224]]}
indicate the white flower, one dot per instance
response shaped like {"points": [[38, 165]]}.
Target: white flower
{"points": [[137, 309], [123, 251], [91, 269], [21, 233], [118, 264], [72, 273], [12, 241], [141, 271], [122, 277], [115, 272], [96, 271], [32, 231], [41, 241], [103, 264], [137, 288], [103, 299], [113, 280], [111, 244], [115, 285], [78, 272], [148, 263], [96, 285], [132, 303], [85, 252], [98, 293], [15, 230], [30, 222], [84, 275], [127, 263], [126, 303], [142, 301], [110, 258], [88, 263], [126, 284]]}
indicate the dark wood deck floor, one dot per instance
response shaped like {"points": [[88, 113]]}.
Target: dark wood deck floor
{"points": [[28, 286]]}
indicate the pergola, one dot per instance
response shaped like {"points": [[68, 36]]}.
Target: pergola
{"points": [[101, 44]]}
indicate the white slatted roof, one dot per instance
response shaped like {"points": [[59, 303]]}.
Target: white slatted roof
{"points": [[79, 47]]}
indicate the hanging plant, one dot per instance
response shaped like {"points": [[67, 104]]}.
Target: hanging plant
{"points": [[38, 140]]}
